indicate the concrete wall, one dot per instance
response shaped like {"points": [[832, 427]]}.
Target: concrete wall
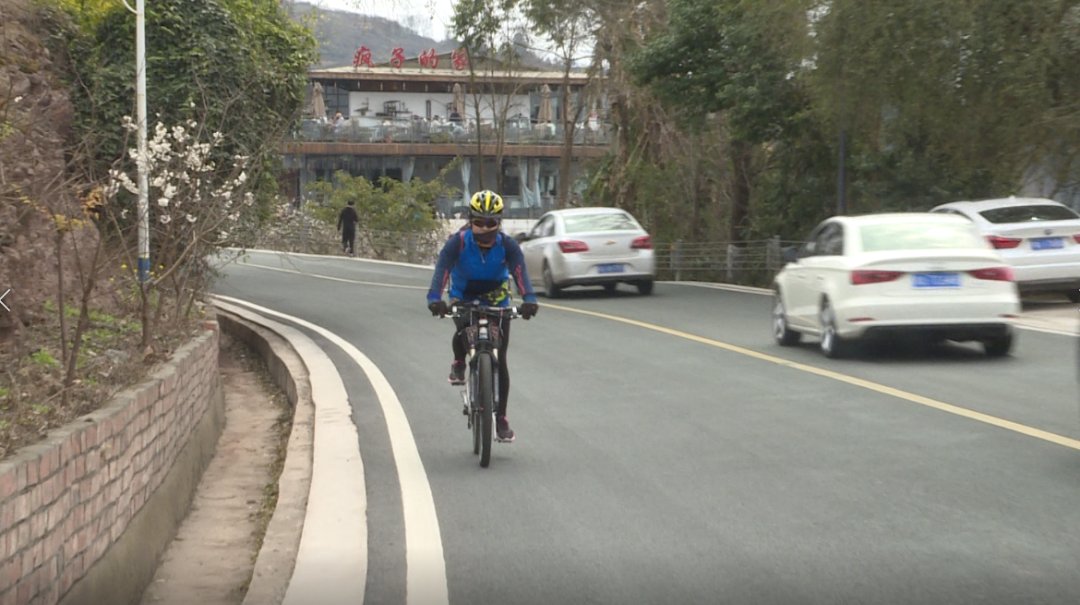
{"points": [[86, 514]]}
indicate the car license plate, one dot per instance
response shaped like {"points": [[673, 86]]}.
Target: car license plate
{"points": [[1047, 243], [937, 279], [612, 268]]}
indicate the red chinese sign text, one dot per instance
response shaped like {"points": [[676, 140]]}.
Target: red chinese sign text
{"points": [[429, 59], [397, 57], [459, 59], [362, 57]]}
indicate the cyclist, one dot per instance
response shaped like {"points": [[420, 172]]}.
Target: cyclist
{"points": [[478, 262]]}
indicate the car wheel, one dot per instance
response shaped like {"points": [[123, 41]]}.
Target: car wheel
{"points": [[550, 288], [783, 334], [999, 346], [831, 344], [644, 287], [610, 288], [1073, 295]]}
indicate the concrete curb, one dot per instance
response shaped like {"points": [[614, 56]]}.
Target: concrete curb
{"points": [[277, 556], [330, 562]]}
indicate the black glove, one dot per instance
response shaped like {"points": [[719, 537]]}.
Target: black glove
{"points": [[528, 310], [438, 308]]}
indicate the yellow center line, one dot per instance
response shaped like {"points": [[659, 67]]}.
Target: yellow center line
{"points": [[1008, 425], [859, 382]]}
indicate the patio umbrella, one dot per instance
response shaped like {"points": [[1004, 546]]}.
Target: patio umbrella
{"points": [[318, 104], [459, 99], [544, 115]]}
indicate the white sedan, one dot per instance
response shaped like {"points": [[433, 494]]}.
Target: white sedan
{"points": [[589, 247], [1039, 238], [929, 274]]}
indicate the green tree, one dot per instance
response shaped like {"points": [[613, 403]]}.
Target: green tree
{"points": [[732, 59], [238, 67], [224, 77], [393, 214], [946, 100]]}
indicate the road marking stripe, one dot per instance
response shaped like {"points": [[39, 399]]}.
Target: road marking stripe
{"points": [[866, 384], [425, 564], [859, 382], [336, 502], [332, 278]]}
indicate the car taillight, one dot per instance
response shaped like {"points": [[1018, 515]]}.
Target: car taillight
{"points": [[999, 242], [993, 273], [573, 245], [860, 277], [1076, 238], [641, 243]]}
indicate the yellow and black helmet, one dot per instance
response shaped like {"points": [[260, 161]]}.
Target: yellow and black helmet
{"points": [[486, 204]]}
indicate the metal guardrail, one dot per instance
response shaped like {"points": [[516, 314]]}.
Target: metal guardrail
{"points": [[749, 263]]}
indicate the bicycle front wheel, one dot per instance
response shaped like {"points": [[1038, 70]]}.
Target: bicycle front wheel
{"points": [[474, 413], [486, 405]]}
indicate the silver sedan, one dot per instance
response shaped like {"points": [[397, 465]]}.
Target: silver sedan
{"points": [[589, 247]]}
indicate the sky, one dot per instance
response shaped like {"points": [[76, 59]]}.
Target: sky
{"points": [[428, 17]]}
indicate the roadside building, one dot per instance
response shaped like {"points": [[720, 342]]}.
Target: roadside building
{"points": [[409, 118]]}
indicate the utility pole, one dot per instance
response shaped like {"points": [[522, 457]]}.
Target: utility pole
{"points": [[142, 208], [841, 177], [140, 100]]}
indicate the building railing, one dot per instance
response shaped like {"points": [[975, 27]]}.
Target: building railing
{"points": [[517, 132]]}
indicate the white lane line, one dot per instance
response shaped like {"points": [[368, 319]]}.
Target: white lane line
{"points": [[331, 563], [425, 564], [332, 278]]}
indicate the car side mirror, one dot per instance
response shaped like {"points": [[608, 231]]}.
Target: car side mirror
{"points": [[790, 254], [521, 237]]}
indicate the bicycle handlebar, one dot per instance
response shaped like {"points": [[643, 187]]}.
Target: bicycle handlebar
{"points": [[463, 310]]}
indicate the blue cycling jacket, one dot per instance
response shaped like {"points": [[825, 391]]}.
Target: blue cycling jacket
{"points": [[477, 274]]}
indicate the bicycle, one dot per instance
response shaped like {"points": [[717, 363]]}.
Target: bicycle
{"points": [[481, 393]]}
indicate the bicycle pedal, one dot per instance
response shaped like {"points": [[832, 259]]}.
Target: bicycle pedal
{"points": [[465, 411]]}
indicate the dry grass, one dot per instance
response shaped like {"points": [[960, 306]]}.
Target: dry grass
{"points": [[33, 399]]}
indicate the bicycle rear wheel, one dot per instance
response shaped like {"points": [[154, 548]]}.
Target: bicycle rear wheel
{"points": [[486, 407]]}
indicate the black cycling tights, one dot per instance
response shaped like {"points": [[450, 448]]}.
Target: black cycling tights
{"points": [[459, 344]]}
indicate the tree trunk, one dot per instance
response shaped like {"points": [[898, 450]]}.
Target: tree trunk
{"points": [[741, 153]]}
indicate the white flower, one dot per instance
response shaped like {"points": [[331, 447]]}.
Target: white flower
{"points": [[191, 218], [163, 202], [17, 99], [165, 219]]}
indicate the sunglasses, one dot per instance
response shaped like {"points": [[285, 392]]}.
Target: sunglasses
{"points": [[486, 223]]}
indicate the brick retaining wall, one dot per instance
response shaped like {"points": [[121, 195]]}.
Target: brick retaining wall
{"points": [[64, 502]]}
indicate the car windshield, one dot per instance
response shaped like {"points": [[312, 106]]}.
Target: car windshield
{"points": [[607, 221], [918, 236], [1028, 214]]}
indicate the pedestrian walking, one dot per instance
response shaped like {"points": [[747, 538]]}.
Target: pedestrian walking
{"points": [[346, 224]]}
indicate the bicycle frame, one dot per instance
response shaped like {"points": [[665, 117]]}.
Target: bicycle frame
{"points": [[481, 395]]}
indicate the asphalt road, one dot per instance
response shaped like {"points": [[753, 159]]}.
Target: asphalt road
{"points": [[669, 452]]}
